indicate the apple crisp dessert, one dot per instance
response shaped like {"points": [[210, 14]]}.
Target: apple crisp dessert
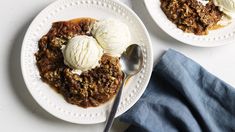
{"points": [[89, 88], [191, 15]]}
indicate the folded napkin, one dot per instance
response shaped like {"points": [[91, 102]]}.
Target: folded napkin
{"points": [[183, 97]]}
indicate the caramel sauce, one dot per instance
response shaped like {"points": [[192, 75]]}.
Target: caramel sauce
{"points": [[217, 26], [127, 80], [77, 20]]}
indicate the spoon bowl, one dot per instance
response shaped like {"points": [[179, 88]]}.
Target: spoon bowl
{"points": [[132, 60]]}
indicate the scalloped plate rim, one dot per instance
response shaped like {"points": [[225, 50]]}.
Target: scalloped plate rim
{"points": [[51, 111]]}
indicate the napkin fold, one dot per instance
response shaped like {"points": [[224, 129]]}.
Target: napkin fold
{"points": [[183, 97]]}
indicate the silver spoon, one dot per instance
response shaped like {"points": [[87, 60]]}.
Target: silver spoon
{"points": [[131, 63]]}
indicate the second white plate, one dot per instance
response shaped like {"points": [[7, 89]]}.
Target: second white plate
{"points": [[217, 37]]}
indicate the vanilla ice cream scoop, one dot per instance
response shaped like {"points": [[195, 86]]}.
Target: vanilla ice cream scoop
{"points": [[226, 6], [113, 36], [82, 53]]}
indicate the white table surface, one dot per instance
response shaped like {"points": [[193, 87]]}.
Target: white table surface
{"points": [[18, 110]]}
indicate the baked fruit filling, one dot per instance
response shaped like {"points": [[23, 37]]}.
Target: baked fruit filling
{"points": [[89, 88], [191, 15]]}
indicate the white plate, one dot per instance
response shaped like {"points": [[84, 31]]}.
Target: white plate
{"points": [[217, 37], [53, 102]]}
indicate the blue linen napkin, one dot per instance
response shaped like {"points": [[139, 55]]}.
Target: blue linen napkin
{"points": [[183, 97]]}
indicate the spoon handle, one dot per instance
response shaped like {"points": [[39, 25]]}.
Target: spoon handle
{"points": [[116, 102]]}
